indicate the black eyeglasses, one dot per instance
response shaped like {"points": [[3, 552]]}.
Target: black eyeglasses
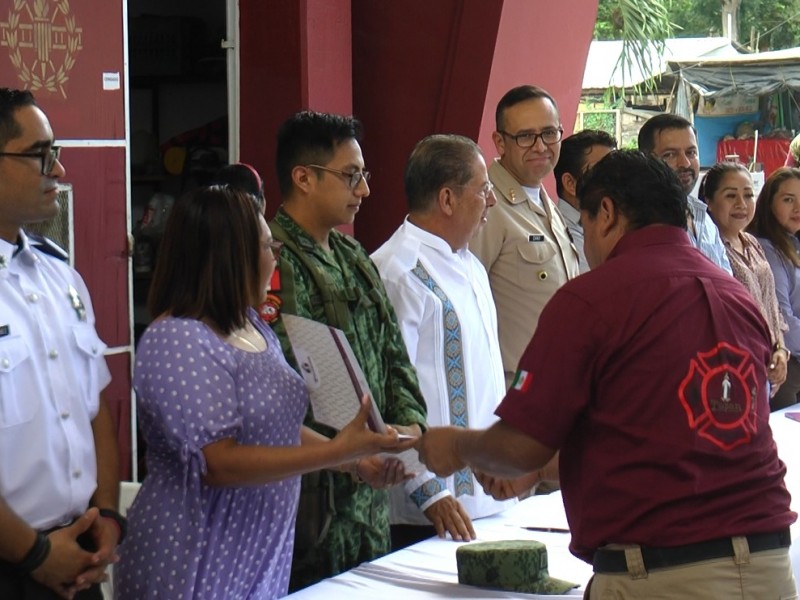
{"points": [[353, 179], [48, 157], [528, 138]]}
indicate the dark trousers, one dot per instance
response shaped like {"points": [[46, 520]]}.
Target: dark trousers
{"points": [[408, 535], [15, 586], [787, 393]]}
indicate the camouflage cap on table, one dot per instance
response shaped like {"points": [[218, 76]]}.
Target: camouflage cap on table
{"points": [[513, 565]]}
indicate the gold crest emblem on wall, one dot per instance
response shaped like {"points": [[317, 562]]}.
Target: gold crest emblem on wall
{"points": [[43, 39]]}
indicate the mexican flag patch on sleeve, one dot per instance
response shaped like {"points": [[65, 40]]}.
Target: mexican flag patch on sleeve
{"points": [[522, 380]]}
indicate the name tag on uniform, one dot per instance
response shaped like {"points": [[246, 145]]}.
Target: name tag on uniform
{"points": [[5, 330], [536, 237]]}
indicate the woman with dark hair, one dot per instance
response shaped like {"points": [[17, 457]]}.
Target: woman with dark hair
{"points": [[776, 223], [244, 177], [221, 412], [727, 189]]}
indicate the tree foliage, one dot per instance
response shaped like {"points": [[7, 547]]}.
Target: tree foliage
{"points": [[642, 25], [764, 24]]}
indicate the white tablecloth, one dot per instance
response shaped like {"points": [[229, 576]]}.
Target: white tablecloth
{"points": [[427, 570]]}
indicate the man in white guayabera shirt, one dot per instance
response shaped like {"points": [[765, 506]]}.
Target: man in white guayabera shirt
{"points": [[440, 292]]}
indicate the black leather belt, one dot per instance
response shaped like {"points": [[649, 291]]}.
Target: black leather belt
{"points": [[613, 561]]}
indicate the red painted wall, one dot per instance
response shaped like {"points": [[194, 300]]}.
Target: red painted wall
{"points": [[270, 84], [555, 36], [417, 67], [545, 44], [97, 176], [82, 40], [417, 71], [443, 70], [294, 55]]}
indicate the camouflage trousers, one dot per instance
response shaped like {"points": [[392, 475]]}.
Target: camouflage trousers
{"points": [[359, 532]]}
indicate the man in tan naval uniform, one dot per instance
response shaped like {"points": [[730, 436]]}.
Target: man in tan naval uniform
{"points": [[525, 246]]}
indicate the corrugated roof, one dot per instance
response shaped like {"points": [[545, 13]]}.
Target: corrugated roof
{"points": [[773, 56], [749, 74], [601, 72]]}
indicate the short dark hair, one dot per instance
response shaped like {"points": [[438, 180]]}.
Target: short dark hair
{"points": [[208, 264], [515, 96], [643, 188], [764, 223], [242, 177], [12, 100], [574, 150], [310, 137], [657, 124], [436, 161], [713, 177]]}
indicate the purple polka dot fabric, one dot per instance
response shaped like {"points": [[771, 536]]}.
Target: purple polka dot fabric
{"points": [[187, 539]]}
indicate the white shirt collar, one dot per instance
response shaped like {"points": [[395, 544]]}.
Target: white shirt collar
{"points": [[533, 195], [430, 239]]}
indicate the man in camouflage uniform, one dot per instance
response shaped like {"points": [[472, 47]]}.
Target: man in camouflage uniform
{"points": [[328, 277]]}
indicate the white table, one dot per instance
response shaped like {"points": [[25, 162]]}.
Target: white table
{"points": [[427, 570], [787, 436]]}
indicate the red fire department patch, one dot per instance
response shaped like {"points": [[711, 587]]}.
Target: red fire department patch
{"points": [[719, 395]]}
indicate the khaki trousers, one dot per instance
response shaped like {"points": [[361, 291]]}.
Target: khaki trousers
{"points": [[761, 576]]}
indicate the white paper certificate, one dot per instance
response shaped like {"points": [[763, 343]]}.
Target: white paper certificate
{"points": [[334, 378]]}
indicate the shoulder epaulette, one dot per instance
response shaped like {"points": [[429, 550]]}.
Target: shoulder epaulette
{"points": [[47, 246]]}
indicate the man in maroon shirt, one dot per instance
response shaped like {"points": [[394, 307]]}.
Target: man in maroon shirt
{"points": [[648, 374]]}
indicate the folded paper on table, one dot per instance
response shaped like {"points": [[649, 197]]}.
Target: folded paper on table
{"points": [[794, 416], [332, 374]]}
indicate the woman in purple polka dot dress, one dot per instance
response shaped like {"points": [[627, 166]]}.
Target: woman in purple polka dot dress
{"points": [[221, 413]]}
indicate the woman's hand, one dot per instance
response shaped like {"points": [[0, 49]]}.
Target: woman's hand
{"points": [[777, 369], [357, 440]]}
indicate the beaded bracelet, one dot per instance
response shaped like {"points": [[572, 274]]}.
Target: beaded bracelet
{"points": [[36, 555]]}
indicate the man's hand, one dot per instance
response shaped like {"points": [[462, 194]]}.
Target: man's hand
{"points": [[67, 561], [503, 489], [438, 450], [382, 471], [105, 533], [447, 515]]}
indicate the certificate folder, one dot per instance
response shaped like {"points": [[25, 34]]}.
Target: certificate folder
{"points": [[332, 374]]}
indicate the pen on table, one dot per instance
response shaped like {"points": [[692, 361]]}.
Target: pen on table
{"points": [[548, 529]]}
